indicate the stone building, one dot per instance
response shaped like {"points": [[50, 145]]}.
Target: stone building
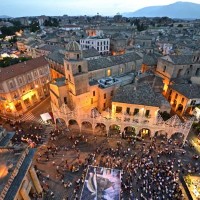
{"points": [[149, 62], [18, 179], [56, 60], [178, 66], [143, 41], [183, 97], [92, 83], [100, 43], [23, 85], [118, 44]]}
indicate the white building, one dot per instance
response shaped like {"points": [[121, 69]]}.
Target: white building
{"points": [[101, 44], [70, 27]]}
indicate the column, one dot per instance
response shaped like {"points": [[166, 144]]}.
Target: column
{"points": [[80, 127], [24, 194], [35, 180]]}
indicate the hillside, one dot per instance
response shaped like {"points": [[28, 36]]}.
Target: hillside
{"points": [[182, 10]]}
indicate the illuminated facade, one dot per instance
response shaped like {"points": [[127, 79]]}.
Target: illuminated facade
{"points": [[98, 83], [183, 97], [91, 83], [177, 66], [23, 85], [18, 177]]}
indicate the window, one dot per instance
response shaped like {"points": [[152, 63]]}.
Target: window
{"points": [[35, 73], [118, 109], [77, 56], [29, 77], [147, 113], [104, 96], [136, 111], [176, 96], [67, 67], [193, 102], [111, 93], [79, 69], [69, 77], [93, 93], [182, 100], [11, 85], [65, 100], [164, 68], [91, 100], [121, 70], [109, 72], [104, 105], [197, 72], [20, 80], [128, 110]]}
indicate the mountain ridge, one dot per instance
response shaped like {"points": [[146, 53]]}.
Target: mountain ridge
{"points": [[178, 9]]}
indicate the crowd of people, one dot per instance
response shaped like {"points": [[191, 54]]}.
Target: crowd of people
{"points": [[28, 133], [150, 167]]}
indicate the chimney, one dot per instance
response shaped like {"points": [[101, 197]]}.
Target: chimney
{"points": [[135, 83], [154, 81]]}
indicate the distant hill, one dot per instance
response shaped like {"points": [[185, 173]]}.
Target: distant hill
{"points": [[181, 10], [4, 16]]}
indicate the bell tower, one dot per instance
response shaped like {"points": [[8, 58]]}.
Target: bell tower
{"points": [[76, 70]]}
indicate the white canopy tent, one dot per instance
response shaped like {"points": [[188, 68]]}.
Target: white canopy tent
{"points": [[45, 116]]}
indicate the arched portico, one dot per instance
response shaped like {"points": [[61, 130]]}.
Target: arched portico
{"points": [[144, 132], [129, 131], [86, 126], [114, 129], [60, 122], [73, 124], [179, 108], [100, 129], [161, 134], [177, 137]]}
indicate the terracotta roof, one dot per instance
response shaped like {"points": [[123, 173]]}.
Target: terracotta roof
{"points": [[21, 68], [143, 95], [191, 91]]}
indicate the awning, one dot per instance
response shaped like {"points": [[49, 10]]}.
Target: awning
{"points": [[45, 116]]}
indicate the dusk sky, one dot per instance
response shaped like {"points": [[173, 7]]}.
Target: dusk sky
{"points": [[17, 8]]}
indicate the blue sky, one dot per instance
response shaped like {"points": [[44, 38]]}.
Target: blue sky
{"points": [[17, 8]]}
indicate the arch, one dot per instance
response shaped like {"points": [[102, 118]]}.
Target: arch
{"points": [[79, 69], [73, 124], [161, 134], [86, 125], [177, 136], [180, 108], [100, 129], [144, 132], [60, 122], [129, 131], [114, 129]]}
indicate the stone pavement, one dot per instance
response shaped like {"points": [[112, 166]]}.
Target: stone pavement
{"points": [[54, 165]]}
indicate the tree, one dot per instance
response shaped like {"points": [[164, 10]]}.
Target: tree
{"points": [[180, 25], [34, 26], [165, 115], [51, 22]]}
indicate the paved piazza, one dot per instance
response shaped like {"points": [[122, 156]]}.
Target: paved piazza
{"points": [[150, 167]]}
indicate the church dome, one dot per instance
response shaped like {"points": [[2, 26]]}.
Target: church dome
{"points": [[73, 46]]}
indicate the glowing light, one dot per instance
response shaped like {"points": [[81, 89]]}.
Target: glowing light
{"points": [[3, 171], [28, 95]]}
